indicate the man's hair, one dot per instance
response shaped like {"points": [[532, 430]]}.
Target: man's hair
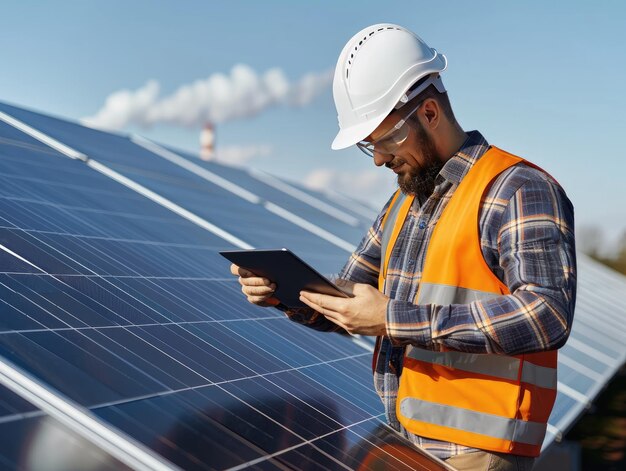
{"points": [[431, 92]]}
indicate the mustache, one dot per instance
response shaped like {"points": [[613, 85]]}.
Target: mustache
{"points": [[394, 163]]}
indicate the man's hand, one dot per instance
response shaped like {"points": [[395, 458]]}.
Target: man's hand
{"points": [[258, 290], [365, 313]]}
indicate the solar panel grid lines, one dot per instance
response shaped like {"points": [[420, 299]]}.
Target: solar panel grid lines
{"points": [[301, 195], [181, 186], [68, 151], [168, 204], [303, 444], [366, 212], [299, 221], [315, 205], [241, 192], [195, 168], [22, 259]]}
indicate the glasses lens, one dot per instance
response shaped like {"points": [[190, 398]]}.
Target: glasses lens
{"points": [[366, 147], [391, 140]]}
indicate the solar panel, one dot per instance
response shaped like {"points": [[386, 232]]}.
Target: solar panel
{"points": [[595, 349], [317, 209], [123, 310], [114, 297], [250, 221]]}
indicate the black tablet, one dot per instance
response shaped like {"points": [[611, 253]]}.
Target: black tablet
{"points": [[290, 273]]}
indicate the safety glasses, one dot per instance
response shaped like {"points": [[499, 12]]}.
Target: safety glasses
{"points": [[391, 140]]}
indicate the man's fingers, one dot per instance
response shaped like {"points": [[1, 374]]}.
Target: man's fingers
{"points": [[260, 300], [329, 303], [257, 290], [256, 281], [242, 272]]}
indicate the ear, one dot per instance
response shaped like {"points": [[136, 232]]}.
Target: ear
{"points": [[431, 113]]}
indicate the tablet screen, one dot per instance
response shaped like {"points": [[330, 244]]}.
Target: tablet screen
{"points": [[290, 273]]}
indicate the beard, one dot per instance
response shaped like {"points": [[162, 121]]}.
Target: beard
{"points": [[421, 181]]}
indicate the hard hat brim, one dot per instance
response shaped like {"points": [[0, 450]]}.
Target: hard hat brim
{"points": [[350, 136]]}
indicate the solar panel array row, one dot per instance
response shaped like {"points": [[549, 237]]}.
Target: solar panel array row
{"points": [[113, 296], [124, 308]]}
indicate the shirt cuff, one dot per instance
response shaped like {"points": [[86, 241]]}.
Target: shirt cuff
{"points": [[408, 323]]}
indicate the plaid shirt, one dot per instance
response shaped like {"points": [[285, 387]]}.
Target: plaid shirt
{"points": [[527, 238]]}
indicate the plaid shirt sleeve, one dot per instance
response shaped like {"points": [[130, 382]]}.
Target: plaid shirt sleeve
{"points": [[535, 252], [362, 267]]}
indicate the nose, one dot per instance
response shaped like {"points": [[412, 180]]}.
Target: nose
{"points": [[382, 159]]}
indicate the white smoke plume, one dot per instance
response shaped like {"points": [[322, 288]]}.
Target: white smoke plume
{"points": [[217, 99]]}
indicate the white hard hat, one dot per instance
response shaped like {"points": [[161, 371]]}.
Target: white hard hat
{"points": [[374, 71]]}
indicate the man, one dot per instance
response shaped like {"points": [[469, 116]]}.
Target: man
{"points": [[473, 258]]}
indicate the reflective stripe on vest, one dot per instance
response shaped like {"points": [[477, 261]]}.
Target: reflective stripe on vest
{"points": [[513, 430], [494, 402], [501, 366]]}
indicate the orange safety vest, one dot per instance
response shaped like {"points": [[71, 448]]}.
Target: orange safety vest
{"points": [[493, 402]]}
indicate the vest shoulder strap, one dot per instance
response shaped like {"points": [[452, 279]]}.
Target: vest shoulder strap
{"points": [[391, 226]]}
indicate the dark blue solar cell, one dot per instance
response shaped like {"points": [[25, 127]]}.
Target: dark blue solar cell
{"points": [[283, 407], [236, 347], [180, 433], [18, 313], [263, 335], [339, 378], [11, 404], [207, 423], [325, 400], [70, 303], [38, 254], [110, 370], [349, 228], [51, 303], [305, 457], [55, 371], [151, 361], [197, 354], [321, 347], [11, 264]]}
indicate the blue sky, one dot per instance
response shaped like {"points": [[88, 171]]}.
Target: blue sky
{"points": [[543, 80]]}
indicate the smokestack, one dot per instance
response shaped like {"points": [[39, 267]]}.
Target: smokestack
{"points": [[207, 142]]}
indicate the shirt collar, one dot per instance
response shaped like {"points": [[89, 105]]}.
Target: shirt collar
{"points": [[460, 163]]}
